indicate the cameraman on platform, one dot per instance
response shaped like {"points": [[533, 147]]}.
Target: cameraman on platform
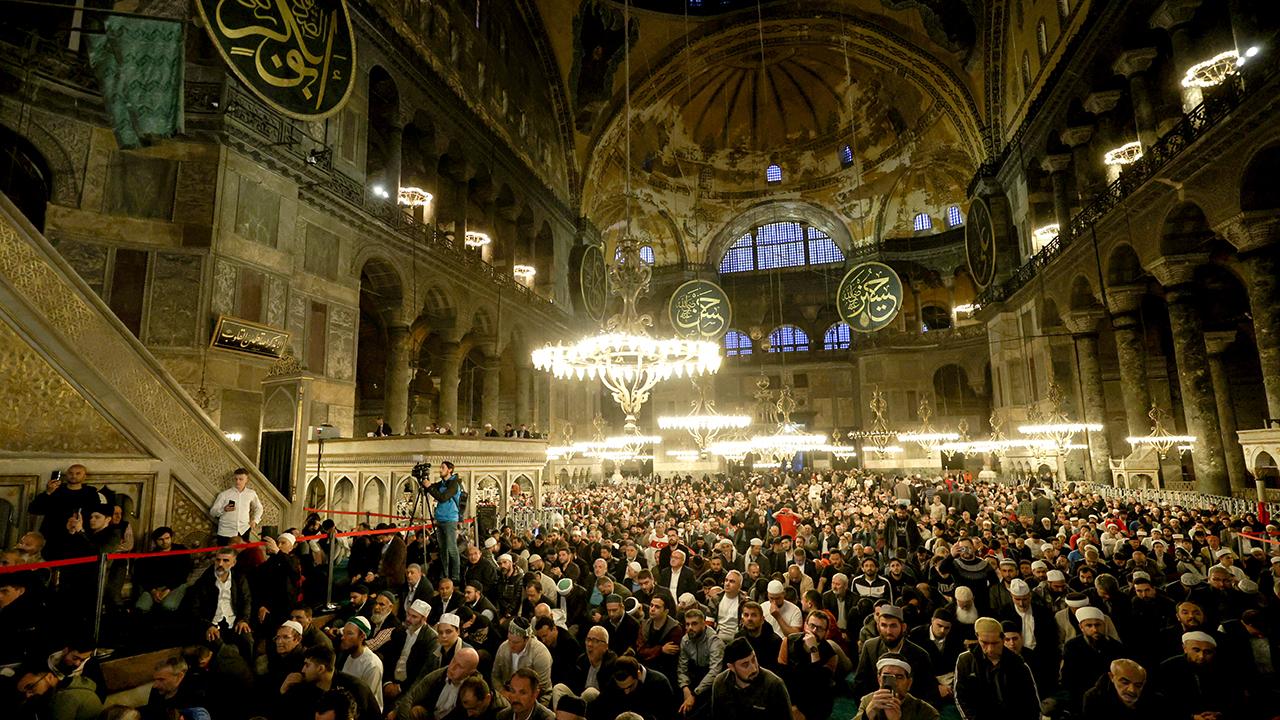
{"points": [[447, 494]]}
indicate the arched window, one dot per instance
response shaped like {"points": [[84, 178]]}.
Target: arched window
{"points": [[646, 254], [954, 217], [1026, 73], [781, 245], [935, 317], [922, 221], [788, 338], [1064, 8], [837, 337], [1042, 38], [736, 342], [846, 156], [773, 174]]}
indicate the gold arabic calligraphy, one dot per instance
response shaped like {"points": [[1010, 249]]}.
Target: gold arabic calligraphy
{"points": [[293, 44], [870, 298], [698, 311], [251, 339]]}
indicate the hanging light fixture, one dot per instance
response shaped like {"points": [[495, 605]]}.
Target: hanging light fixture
{"points": [[703, 423], [1215, 70], [878, 437], [684, 455], [1056, 427], [1126, 154], [625, 357], [926, 437], [1160, 438], [838, 449], [789, 438], [413, 197], [475, 239]]}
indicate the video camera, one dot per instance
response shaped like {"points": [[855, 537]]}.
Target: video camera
{"points": [[421, 471]]}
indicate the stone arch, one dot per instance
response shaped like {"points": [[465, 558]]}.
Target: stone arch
{"points": [[384, 117], [1083, 296], [1258, 187], [1124, 267], [317, 495], [777, 211], [1185, 230], [1264, 469], [1049, 315], [373, 497], [344, 495], [64, 183], [438, 303], [482, 324], [488, 491], [25, 177]]}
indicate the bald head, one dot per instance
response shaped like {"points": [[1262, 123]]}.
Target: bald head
{"points": [[464, 663]]}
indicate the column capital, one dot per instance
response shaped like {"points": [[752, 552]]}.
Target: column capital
{"points": [[1124, 299], [1074, 137], [1055, 163], [451, 350], [1251, 230], [1082, 322], [1132, 62], [1174, 13], [1101, 102], [1217, 342], [1173, 270]]}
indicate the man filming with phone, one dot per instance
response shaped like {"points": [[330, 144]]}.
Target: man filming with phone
{"points": [[894, 701], [236, 510], [447, 494]]}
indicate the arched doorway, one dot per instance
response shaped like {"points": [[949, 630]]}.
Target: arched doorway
{"points": [[1264, 469], [25, 177], [380, 299]]}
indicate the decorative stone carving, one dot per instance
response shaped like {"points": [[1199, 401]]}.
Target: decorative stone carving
{"points": [[41, 412], [189, 520], [171, 321], [277, 291], [342, 338], [224, 288]]}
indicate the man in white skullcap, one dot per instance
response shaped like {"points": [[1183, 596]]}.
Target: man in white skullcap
{"points": [[1197, 682], [782, 615], [412, 651], [1088, 656], [893, 698], [284, 656]]}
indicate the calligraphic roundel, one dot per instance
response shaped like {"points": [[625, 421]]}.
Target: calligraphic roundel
{"points": [[593, 282], [700, 310], [980, 243], [869, 297], [298, 56]]}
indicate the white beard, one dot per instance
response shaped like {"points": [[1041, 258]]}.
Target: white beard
{"points": [[967, 617], [377, 619]]}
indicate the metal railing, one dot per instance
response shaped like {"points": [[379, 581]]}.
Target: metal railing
{"points": [[1189, 499], [1218, 103]]}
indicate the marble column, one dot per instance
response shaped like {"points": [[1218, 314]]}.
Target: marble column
{"points": [[1131, 350], [1088, 167], [524, 384], [1216, 344], [396, 411], [1175, 18], [450, 373], [1084, 331], [1199, 406], [1057, 166], [391, 172], [1263, 288], [1133, 65], [489, 391]]}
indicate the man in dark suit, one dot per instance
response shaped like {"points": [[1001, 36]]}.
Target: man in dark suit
{"points": [[677, 578], [633, 688], [892, 637], [937, 639], [416, 587], [447, 600], [412, 651], [842, 604], [391, 566], [598, 657], [1043, 638], [381, 428], [229, 624]]}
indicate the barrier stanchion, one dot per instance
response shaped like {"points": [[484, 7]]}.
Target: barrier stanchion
{"points": [[328, 592], [102, 590]]}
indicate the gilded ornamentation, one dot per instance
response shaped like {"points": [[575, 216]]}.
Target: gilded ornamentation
{"points": [[286, 364]]}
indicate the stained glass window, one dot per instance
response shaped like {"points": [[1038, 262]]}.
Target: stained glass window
{"points": [[736, 342], [837, 337], [788, 338]]}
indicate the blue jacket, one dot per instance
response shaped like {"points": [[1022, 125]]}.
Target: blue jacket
{"points": [[446, 493]]}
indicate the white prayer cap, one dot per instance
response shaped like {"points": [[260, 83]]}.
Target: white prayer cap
{"points": [[887, 661], [1019, 588], [293, 625], [776, 587], [287, 537], [1078, 603], [421, 607], [1055, 576], [451, 619], [1090, 613], [1039, 565], [1198, 636]]}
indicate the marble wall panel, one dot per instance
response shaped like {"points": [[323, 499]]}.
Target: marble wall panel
{"points": [[257, 213], [342, 337], [139, 186], [224, 288], [88, 259], [175, 299]]}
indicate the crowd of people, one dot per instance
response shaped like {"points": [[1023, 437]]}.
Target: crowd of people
{"points": [[762, 595]]}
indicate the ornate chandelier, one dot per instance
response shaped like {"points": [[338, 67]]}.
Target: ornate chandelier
{"points": [[838, 449], [926, 437], [413, 197], [523, 272], [783, 444], [1213, 71], [703, 423], [475, 239], [1043, 235], [1056, 428], [1160, 438], [1124, 155], [879, 437]]}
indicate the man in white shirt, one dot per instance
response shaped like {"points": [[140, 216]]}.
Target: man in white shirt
{"points": [[782, 615], [727, 608], [359, 661], [398, 653], [236, 510]]}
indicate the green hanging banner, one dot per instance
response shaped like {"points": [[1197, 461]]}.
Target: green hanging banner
{"points": [[869, 297], [298, 56]]}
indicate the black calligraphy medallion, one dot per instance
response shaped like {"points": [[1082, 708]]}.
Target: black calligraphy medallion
{"points": [[869, 297], [980, 243], [593, 282], [299, 56], [700, 310]]}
